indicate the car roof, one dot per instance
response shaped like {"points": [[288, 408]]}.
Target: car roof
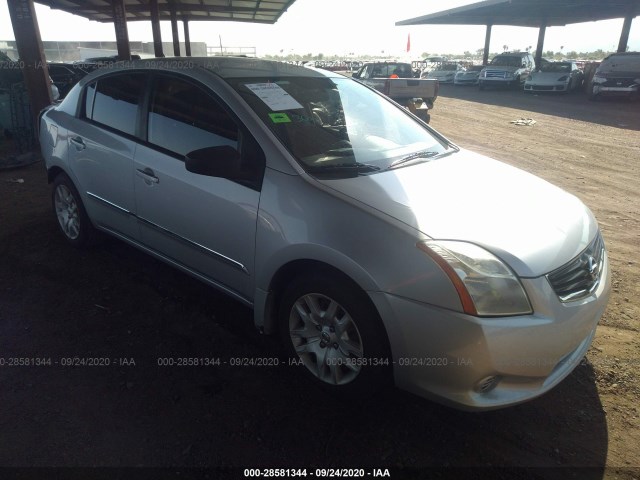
{"points": [[225, 67], [513, 54]]}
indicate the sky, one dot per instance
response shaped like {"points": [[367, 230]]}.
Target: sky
{"points": [[345, 28]]}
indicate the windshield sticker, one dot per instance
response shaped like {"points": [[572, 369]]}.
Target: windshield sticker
{"points": [[274, 96], [279, 118]]}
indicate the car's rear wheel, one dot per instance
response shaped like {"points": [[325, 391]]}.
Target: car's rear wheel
{"points": [[70, 213], [332, 331]]}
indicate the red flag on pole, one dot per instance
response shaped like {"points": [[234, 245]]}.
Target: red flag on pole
{"points": [[408, 42]]}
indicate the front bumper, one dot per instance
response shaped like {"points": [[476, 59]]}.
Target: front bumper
{"points": [[604, 90], [449, 356], [466, 81], [556, 87], [497, 82]]}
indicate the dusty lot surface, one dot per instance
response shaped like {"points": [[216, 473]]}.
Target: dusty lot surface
{"points": [[115, 303]]}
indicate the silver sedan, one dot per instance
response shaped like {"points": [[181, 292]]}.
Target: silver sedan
{"points": [[378, 250]]}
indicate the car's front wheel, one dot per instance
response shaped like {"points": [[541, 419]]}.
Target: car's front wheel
{"points": [[332, 331], [70, 213]]}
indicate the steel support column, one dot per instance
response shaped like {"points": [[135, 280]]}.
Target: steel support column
{"points": [[187, 40], [122, 34], [624, 35], [155, 29], [540, 46], [487, 41], [174, 32], [31, 51]]}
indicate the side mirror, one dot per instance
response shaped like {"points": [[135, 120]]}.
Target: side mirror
{"points": [[221, 161]]}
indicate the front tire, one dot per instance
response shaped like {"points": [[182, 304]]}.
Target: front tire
{"points": [[72, 218], [330, 328]]}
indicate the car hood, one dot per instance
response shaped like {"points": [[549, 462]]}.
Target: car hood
{"points": [[531, 224]]}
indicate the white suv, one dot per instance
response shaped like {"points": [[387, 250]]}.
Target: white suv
{"points": [[508, 69]]}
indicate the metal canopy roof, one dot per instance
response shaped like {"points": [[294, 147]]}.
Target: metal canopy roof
{"points": [[254, 11], [530, 13]]}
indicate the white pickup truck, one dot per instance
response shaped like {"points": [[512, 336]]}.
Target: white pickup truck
{"points": [[396, 81]]}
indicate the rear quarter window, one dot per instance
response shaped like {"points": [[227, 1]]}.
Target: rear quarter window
{"points": [[113, 101]]}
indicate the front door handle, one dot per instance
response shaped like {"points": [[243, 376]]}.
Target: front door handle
{"points": [[78, 143], [147, 175]]}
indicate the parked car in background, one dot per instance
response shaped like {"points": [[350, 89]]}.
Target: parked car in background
{"points": [[445, 72], [509, 69], [618, 74], [469, 76], [11, 75], [555, 77], [377, 249], [395, 80], [65, 75], [431, 63]]}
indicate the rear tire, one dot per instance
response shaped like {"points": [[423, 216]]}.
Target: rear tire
{"points": [[331, 330], [72, 218]]}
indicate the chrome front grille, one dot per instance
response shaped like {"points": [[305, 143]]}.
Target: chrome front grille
{"points": [[496, 74], [581, 276]]}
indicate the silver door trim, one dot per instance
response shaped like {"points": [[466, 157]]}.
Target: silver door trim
{"points": [[191, 243], [111, 204], [194, 273]]}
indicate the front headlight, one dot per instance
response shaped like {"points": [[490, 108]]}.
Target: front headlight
{"points": [[598, 79], [509, 75], [564, 78], [485, 284]]}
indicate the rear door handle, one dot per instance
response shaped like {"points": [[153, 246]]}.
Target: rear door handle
{"points": [[78, 143], [147, 175]]}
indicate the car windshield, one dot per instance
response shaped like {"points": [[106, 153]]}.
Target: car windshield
{"points": [[506, 61], [336, 125], [475, 68], [556, 67]]}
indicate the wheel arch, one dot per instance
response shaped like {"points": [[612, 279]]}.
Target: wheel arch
{"points": [[53, 172], [266, 305]]}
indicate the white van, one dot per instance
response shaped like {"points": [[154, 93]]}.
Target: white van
{"points": [[618, 74]]}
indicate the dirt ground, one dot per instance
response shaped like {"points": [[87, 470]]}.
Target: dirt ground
{"points": [[115, 303]]}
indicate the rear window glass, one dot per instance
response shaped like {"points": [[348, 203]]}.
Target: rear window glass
{"points": [[115, 101]]}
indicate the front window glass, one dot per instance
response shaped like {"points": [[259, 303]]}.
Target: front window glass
{"points": [[330, 122], [183, 117]]}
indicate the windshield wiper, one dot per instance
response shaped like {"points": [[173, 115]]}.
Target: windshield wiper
{"points": [[423, 154], [352, 167], [413, 156]]}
